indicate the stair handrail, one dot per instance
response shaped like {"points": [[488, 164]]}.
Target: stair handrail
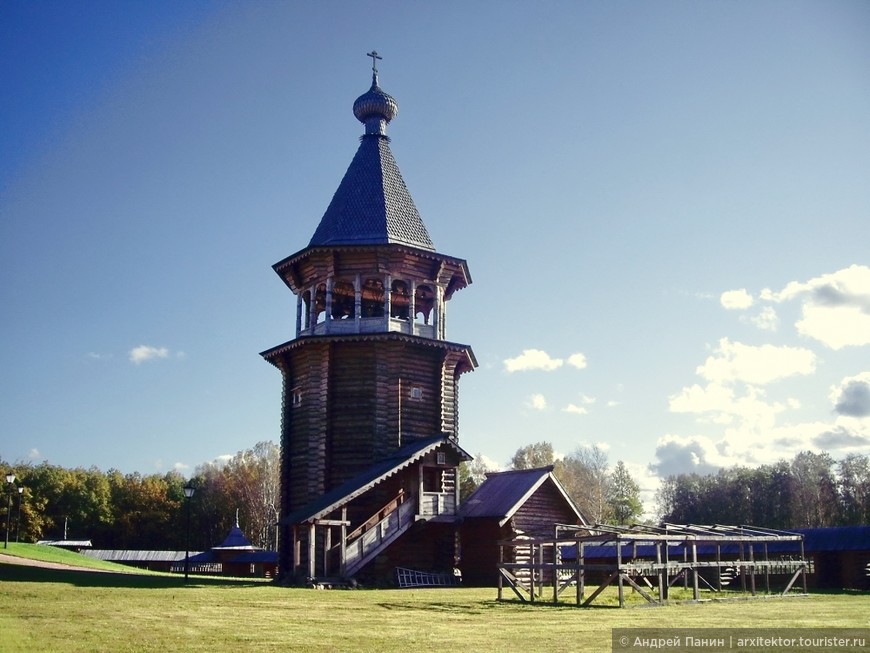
{"points": [[377, 517]]}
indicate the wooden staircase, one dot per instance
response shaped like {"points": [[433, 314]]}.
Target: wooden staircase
{"points": [[382, 529]]}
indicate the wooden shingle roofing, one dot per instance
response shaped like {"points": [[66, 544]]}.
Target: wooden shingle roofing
{"points": [[366, 480], [503, 493], [372, 205]]}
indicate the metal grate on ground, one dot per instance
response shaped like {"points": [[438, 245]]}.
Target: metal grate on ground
{"points": [[414, 578]]}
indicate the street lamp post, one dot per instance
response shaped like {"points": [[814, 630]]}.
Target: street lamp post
{"points": [[10, 479], [188, 493], [18, 521]]}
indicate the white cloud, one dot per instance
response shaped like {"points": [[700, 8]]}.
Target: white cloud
{"points": [[181, 467], [686, 455], [34, 454], [538, 402], [852, 397], [835, 307], [766, 320], [736, 299], [722, 405], [734, 361], [574, 408], [835, 326], [143, 353], [532, 359], [578, 360]]}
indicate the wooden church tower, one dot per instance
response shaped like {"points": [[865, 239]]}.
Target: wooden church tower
{"points": [[370, 416]]}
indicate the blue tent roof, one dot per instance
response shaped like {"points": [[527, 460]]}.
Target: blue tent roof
{"points": [[235, 539]]}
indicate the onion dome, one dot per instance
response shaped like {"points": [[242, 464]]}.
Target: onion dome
{"points": [[375, 109]]}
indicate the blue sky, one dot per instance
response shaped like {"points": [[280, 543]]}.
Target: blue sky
{"points": [[664, 207]]}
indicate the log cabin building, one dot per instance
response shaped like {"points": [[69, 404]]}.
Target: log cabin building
{"points": [[513, 505], [370, 415]]}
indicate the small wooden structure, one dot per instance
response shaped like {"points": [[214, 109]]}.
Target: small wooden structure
{"points": [[235, 556], [840, 556], [514, 505], [650, 560]]}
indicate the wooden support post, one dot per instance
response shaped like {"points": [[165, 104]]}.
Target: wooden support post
{"points": [[619, 573], [500, 562], [328, 308], [803, 566], [667, 587], [695, 570], [718, 567], [742, 568], [296, 550], [312, 537], [326, 547], [533, 578], [662, 573], [751, 570], [685, 563], [766, 570], [581, 572], [343, 551], [298, 314]]}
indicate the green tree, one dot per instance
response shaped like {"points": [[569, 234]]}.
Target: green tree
{"points": [[584, 475], [815, 500], [532, 456], [472, 474], [853, 481], [623, 496]]}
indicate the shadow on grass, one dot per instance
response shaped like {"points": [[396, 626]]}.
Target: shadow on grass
{"points": [[81, 578]]}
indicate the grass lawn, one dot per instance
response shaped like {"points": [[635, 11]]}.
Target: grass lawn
{"points": [[63, 610]]}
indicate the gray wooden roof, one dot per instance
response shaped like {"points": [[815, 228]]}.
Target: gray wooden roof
{"points": [[503, 493], [372, 205], [366, 480]]}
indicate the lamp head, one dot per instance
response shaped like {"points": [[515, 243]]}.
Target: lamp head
{"points": [[188, 491], [10, 478]]}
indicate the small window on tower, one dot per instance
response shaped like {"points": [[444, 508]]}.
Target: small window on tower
{"points": [[296, 396], [416, 393], [441, 458]]}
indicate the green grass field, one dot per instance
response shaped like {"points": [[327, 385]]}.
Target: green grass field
{"points": [[65, 610]]}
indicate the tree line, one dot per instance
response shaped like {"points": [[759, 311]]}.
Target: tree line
{"points": [[811, 490], [602, 494], [135, 511]]}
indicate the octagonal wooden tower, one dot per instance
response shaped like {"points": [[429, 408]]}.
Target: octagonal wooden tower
{"points": [[369, 435]]}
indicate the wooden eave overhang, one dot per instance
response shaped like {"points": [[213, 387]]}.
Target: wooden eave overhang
{"points": [[534, 488], [289, 269], [274, 354], [316, 510]]}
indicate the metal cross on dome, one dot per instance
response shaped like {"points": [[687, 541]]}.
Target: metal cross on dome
{"points": [[374, 55]]}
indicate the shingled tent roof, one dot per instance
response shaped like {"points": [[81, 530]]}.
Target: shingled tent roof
{"points": [[503, 493], [372, 205], [236, 539]]}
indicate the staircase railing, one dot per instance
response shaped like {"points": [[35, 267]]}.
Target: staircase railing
{"points": [[378, 537], [380, 515]]}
